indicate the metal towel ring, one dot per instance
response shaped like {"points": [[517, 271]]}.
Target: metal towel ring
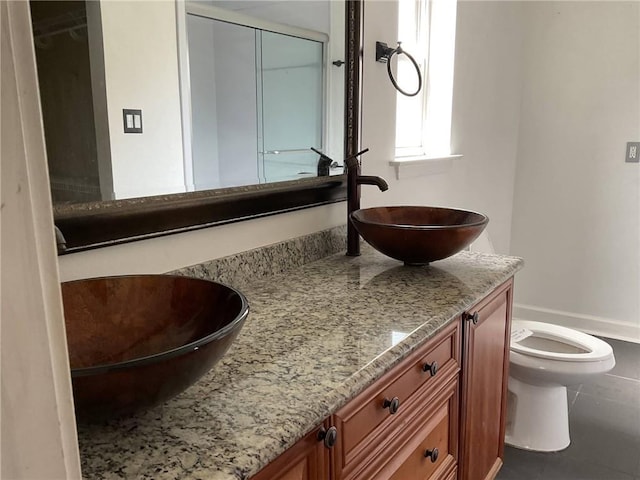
{"points": [[384, 54]]}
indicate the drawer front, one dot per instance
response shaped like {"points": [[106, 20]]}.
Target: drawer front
{"points": [[413, 455], [417, 465], [453, 475], [367, 423]]}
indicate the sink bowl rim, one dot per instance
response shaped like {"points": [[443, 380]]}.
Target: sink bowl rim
{"points": [[173, 352], [357, 216]]}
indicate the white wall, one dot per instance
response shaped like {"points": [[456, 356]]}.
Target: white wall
{"points": [[577, 204], [486, 109], [38, 431], [141, 64]]}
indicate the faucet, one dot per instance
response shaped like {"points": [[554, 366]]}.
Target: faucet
{"points": [[325, 164], [354, 180], [61, 243]]}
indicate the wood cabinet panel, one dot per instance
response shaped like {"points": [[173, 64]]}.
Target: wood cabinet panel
{"points": [[306, 460], [434, 429], [453, 475], [484, 382], [365, 426]]}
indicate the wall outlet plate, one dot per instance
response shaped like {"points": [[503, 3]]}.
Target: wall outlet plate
{"points": [[132, 120], [633, 152]]}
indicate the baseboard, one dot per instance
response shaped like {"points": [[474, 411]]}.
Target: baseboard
{"points": [[604, 327]]}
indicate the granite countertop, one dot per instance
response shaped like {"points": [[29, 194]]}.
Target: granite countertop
{"points": [[315, 337]]}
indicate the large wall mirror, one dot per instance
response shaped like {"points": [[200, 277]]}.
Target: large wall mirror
{"points": [[162, 117]]}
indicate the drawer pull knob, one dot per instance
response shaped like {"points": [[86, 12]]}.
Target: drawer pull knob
{"points": [[393, 405], [474, 317], [432, 454], [328, 437], [432, 368]]}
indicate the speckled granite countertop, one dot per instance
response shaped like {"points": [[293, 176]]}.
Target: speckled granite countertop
{"points": [[315, 337]]}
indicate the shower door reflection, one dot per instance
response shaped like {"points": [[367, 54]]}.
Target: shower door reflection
{"points": [[257, 104], [290, 106]]}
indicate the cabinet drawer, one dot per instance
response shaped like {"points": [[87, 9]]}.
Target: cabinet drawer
{"points": [[365, 424], [412, 456], [417, 465]]}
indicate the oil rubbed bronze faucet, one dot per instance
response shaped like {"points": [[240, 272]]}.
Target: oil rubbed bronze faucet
{"points": [[354, 180]]}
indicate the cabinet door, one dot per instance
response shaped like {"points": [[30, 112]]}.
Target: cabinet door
{"points": [[484, 384], [306, 460]]}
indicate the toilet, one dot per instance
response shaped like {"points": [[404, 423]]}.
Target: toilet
{"points": [[544, 359]]}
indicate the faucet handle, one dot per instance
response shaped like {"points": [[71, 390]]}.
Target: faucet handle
{"points": [[324, 163], [352, 161]]}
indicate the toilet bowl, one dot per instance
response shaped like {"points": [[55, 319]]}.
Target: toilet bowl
{"points": [[543, 360]]}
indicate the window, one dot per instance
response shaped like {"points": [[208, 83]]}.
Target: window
{"points": [[427, 30]]}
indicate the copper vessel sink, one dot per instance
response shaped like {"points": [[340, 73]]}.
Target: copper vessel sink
{"points": [[418, 235], [136, 341]]}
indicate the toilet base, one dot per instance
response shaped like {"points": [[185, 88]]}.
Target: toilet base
{"points": [[537, 417]]}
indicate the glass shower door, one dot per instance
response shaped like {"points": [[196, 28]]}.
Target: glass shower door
{"points": [[290, 105]]}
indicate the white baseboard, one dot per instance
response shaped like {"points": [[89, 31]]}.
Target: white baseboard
{"points": [[604, 327]]}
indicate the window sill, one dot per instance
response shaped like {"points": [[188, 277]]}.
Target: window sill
{"points": [[409, 167]]}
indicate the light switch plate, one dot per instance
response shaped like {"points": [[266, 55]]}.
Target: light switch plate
{"points": [[132, 120], [633, 152]]}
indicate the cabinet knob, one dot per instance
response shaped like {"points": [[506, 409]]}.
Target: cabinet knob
{"points": [[328, 437], [432, 454], [432, 368], [393, 405], [474, 317]]}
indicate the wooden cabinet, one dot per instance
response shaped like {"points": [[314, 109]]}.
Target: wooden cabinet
{"points": [[437, 415], [486, 333], [372, 427], [308, 459]]}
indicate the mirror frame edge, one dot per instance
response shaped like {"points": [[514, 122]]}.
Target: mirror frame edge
{"points": [[93, 225]]}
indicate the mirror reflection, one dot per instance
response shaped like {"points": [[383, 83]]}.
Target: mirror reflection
{"points": [[156, 97]]}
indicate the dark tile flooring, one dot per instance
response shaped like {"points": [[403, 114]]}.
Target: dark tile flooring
{"points": [[604, 424]]}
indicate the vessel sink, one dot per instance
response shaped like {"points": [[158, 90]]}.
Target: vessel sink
{"points": [[418, 235], [136, 341]]}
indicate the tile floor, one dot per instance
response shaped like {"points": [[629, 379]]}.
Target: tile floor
{"points": [[604, 424]]}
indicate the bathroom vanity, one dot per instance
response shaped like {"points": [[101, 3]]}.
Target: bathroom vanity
{"points": [[438, 415], [347, 368]]}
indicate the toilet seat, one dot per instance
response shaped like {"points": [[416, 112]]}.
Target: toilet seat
{"points": [[595, 349]]}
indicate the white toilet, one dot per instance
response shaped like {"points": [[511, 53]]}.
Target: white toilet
{"points": [[544, 359]]}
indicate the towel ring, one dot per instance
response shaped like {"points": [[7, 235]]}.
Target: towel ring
{"points": [[384, 54]]}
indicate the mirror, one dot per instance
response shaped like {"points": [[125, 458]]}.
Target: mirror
{"points": [[259, 94]]}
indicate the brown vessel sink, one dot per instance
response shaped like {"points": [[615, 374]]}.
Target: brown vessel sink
{"points": [[418, 235], [136, 341]]}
